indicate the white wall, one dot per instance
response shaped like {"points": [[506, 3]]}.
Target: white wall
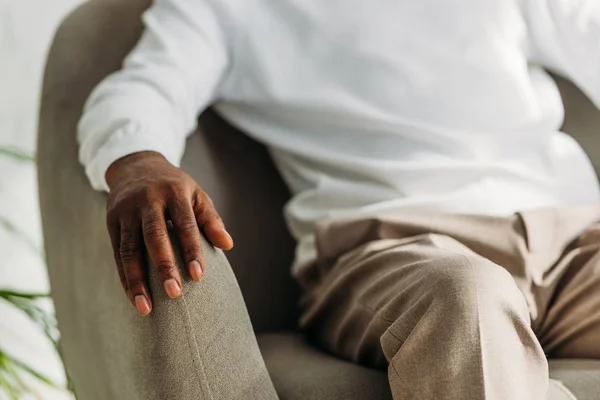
{"points": [[26, 29]]}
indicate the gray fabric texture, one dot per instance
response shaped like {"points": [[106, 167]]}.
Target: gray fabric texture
{"points": [[300, 371], [581, 377]]}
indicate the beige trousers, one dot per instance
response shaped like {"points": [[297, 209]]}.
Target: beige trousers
{"points": [[459, 307]]}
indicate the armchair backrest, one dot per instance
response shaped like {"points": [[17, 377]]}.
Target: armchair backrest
{"points": [[249, 194], [582, 120]]}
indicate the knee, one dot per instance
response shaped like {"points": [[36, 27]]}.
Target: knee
{"points": [[454, 296], [455, 289], [466, 284]]}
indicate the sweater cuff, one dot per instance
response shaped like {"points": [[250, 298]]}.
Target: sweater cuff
{"points": [[123, 142]]}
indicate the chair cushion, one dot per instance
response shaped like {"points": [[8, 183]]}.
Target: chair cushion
{"points": [[581, 377], [300, 371]]}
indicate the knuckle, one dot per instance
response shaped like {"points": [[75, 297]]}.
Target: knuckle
{"points": [[207, 204], [147, 193], [173, 193], [112, 220], [199, 198], [187, 227], [128, 251], [167, 269], [197, 195], [192, 251], [116, 205], [111, 216], [155, 234], [212, 218], [203, 197], [152, 213], [135, 282], [127, 235], [179, 204], [117, 254], [154, 229], [112, 204], [176, 190], [207, 213]]}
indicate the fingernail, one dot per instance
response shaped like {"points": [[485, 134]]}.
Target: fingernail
{"points": [[172, 288], [142, 304], [195, 270], [229, 236]]}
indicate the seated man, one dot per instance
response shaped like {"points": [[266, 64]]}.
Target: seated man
{"points": [[447, 230]]}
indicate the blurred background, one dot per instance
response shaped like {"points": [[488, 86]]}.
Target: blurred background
{"points": [[26, 30]]}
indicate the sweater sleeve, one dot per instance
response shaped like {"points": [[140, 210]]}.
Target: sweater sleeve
{"points": [[565, 35], [152, 103]]}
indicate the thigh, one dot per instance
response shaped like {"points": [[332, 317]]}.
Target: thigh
{"points": [[378, 292], [570, 325]]}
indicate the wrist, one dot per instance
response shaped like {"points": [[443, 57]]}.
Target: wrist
{"points": [[115, 171]]}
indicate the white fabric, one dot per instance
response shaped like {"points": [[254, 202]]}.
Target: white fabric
{"points": [[429, 105]]}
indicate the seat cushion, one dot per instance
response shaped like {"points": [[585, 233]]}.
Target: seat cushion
{"points": [[300, 371], [581, 377]]}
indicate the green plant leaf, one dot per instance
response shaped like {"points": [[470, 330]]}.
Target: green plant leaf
{"points": [[27, 302], [34, 373], [16, 154], [11, 382], [5, 293], [12, 371], [6, 386], [11, 377]]}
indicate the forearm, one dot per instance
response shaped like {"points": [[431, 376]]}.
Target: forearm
{"points": [[151, 104]]}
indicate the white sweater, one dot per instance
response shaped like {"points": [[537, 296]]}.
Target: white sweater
{"points": [[366, 106]]}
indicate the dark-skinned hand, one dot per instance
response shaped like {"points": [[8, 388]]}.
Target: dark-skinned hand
{"points": [[146, 191]]}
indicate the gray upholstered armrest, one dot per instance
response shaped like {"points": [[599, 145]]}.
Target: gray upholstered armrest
{"points": [[582, 120], [185, 348]]}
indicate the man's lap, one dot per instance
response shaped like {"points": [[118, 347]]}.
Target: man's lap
{"points": [[372, 271]]}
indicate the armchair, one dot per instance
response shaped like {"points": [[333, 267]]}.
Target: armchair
{"points": [[237, 172]]}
